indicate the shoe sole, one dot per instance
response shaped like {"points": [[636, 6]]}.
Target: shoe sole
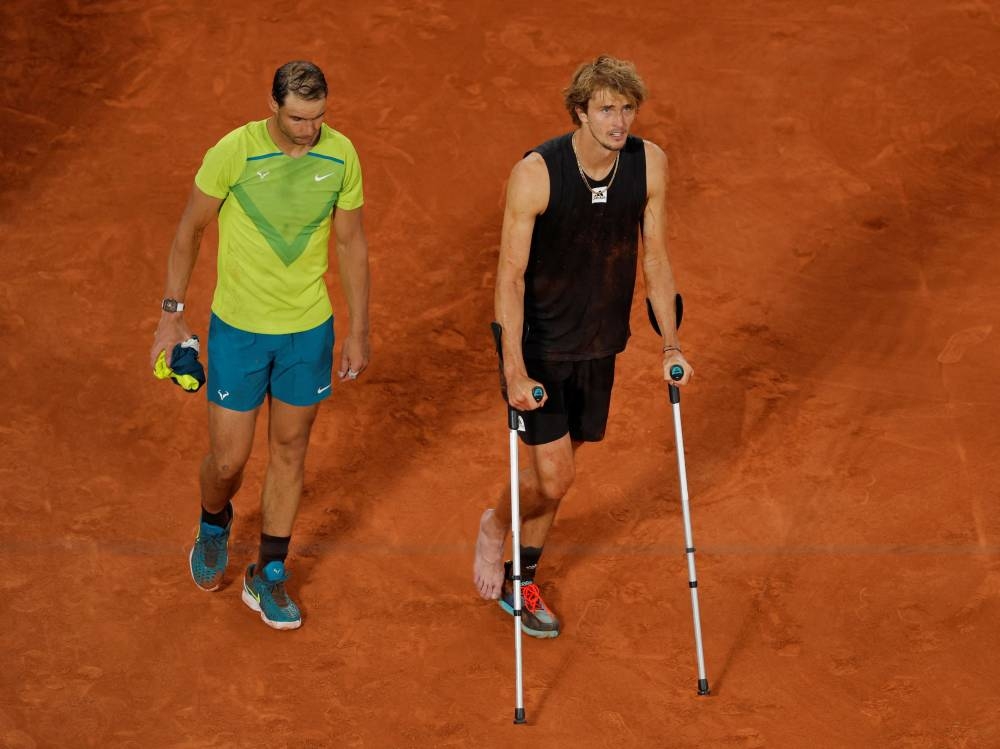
{"points": [[200, 586], [250, 601], [541, 634]]}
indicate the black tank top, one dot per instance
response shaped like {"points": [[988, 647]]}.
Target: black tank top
{"points": [[581, 271]]}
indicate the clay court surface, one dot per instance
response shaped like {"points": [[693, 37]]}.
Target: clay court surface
{"points": [[834, 208]]}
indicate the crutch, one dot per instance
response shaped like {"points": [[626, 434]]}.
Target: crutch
{"points": [[677, 373], [513, 422]]}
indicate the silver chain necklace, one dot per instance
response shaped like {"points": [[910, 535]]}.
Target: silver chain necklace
{"points": [[597, 194]]}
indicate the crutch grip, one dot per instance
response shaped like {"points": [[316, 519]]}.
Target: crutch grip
{"points": [[537, 392], [513, 414], [676, 374]]}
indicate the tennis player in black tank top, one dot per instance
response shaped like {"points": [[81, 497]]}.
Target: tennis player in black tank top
{"points": [[576, 206]]}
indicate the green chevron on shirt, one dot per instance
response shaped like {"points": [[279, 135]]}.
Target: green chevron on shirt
{"points": [[287, 248]]}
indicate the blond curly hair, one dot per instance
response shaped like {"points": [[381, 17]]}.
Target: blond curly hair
{"points": [[606, 72]]}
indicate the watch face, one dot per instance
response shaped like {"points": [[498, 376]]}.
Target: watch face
{"points": [[169, 305]]}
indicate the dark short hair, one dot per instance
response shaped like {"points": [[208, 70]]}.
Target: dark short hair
{"points": [[606, 72], [300, 78]]}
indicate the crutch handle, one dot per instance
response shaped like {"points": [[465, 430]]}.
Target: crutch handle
{"points": [[676, 374], [537, 392]]}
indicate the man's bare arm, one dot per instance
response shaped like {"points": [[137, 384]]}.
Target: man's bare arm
{"points": [[198, 214], [656, 268], [527, 198], [352, 257]]}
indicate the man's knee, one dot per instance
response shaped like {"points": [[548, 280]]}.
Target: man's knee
{"points": [[225, 467], [554, 468], [289, 448], [554, 485]]}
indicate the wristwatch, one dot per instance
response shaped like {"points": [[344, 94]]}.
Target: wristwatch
{"points": [[172, 305]]}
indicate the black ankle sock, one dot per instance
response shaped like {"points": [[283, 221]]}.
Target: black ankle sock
{"points": [[218, 519], [272, 549], [529, 563]]}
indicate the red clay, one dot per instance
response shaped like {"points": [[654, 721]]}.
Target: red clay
{"points": [[834, 208]]}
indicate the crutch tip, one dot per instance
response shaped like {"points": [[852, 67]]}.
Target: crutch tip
{"points": [[519, 715], [703, 687]]}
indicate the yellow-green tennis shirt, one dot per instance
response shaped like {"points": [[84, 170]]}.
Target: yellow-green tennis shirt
{"points": [[274, 226]]}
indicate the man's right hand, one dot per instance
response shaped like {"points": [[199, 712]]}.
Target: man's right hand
{"points": [[171, 330], [519, 393]]}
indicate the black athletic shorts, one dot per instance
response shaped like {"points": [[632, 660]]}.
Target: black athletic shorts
{"points": [[579, 398]]}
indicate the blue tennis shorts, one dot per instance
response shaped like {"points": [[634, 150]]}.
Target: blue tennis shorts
{"points": [[295, 368]]}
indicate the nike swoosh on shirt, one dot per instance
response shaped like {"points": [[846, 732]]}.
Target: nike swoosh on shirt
{"points": [[320, 178]]}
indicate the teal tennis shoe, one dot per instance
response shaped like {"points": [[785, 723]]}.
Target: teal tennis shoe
{"points": [[265, 593], [210, 555], [537, 619]]}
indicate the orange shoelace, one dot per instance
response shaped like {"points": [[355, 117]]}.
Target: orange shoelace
{"points": [[531, 597]]}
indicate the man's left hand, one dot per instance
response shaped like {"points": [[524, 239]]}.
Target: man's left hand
{"points": [[354, 357], [672, 358]]}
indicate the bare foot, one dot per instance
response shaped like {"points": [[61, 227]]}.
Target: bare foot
{"points": [[487, 571]]}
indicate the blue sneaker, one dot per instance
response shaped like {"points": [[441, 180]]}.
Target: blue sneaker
{"points": [[266, 593], [210, 555], [537, 619]]}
